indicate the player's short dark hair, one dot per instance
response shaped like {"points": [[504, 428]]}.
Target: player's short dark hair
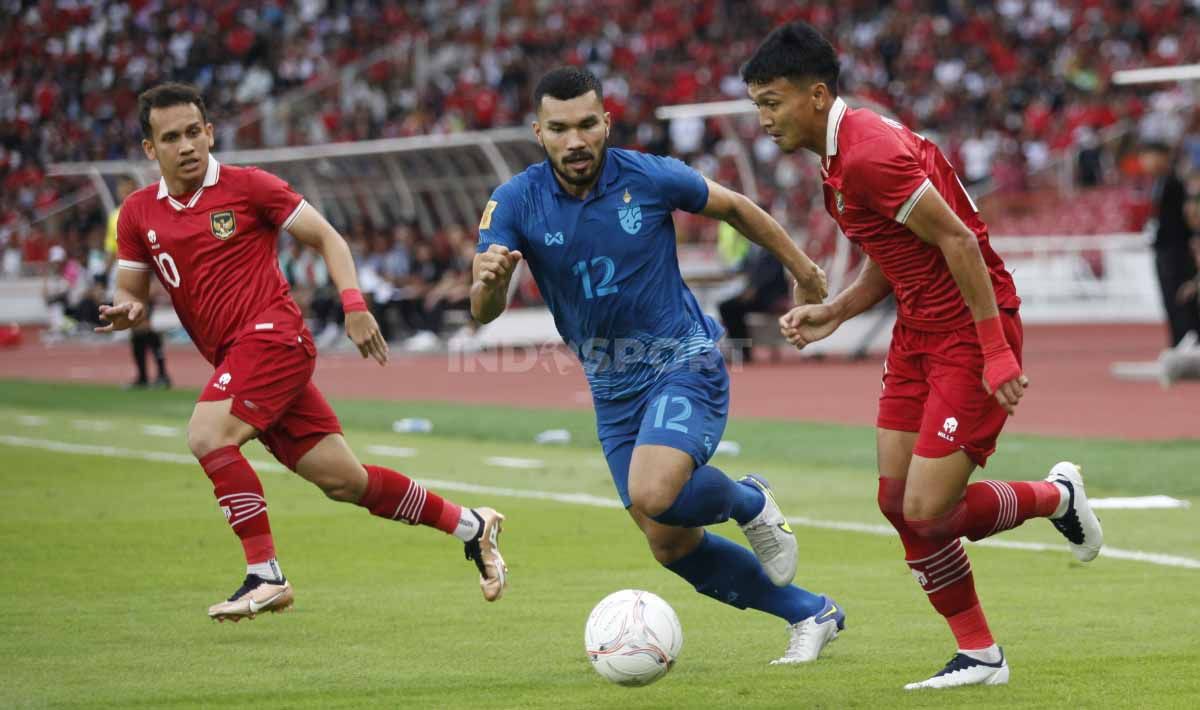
{"points": [[166, 96], [566, 83], [797, 52]]}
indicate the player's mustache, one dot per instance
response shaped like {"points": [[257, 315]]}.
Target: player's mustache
{"points": [[577, 156]]}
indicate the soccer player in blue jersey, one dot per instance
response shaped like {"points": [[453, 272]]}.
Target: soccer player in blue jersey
{"points": [[594, 225]]}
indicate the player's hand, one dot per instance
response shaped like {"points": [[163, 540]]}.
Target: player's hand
{"points": [[363, 331], [121, 317], [812, 289], [1002, 377], [496, 266], [804, 325]]}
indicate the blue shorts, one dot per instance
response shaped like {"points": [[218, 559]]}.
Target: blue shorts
{"points": [[686, 409]]}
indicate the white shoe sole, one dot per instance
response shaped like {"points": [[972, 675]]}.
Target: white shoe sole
{"points": [[1000, 677], [1093, 534]]}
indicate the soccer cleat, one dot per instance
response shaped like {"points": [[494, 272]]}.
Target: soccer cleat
{"points": [[965, 670], [1079, 523], [484, 551], [770, 536], [811, 635], [255, 596]]}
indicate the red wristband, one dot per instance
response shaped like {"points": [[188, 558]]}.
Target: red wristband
{"points": [[991, 335], [352, 300]]}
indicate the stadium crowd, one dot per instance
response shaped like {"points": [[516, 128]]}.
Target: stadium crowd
{"points": [[1003, 86]]}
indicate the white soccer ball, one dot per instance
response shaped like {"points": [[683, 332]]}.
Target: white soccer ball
{"points": [[633, 637]]}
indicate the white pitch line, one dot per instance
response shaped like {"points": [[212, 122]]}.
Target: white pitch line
{"points": [[400, 452], [31, 421], [587, 499], [91, 425], [160, 430], [512, 462], [118, 452]]}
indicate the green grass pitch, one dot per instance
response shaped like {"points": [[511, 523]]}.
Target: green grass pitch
{"points": [[108, 561]]}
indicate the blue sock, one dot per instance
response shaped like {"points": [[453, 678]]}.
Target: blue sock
{"points": [[731, 574], [711, 497]]}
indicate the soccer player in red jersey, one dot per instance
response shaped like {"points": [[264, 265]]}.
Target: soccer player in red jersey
{"points": [[953, 372], [209, 232]]}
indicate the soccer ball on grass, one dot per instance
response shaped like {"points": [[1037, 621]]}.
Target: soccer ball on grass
{"points": [[633, 637]]}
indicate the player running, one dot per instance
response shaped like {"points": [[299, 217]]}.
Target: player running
{"points": [[594, 224], [209, 232], [953, 372]]}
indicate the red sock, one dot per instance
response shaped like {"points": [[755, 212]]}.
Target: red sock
{"points": [[990, 507], [394, 496], [942, 569], [240, 495]]}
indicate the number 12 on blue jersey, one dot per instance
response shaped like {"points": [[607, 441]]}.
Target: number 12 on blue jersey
{"points": [[603, 288]]}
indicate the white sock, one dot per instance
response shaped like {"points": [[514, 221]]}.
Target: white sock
{"points": [[268, 570], [991, 654], [469, 525], [1064, 498]]}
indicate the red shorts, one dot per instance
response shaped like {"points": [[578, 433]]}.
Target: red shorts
{"points": [[933, 385], [268, 376]]}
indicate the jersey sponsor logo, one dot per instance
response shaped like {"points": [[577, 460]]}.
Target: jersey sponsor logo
{"points": [[485, 222], [630, 215], [948, 428], [554, 239], [839, 202], [152, 237], [223, 224]]}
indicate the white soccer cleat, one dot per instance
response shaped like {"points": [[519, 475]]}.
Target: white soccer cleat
{"points": [[810, 636], [484, 551], [771, 537], [255, 596], [1079, 523], [965, 670]]}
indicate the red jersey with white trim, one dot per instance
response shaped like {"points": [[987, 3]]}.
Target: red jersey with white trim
{"points": [[874, 172], [216, 253]]}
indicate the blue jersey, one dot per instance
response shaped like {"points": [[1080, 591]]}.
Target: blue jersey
{"points": [[607, 267]]}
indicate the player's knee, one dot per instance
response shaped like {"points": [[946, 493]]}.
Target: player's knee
{"points": [[650, 498], [203, 440], [927, 505], [340, 489]]}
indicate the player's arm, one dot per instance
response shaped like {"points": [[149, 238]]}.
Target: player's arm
{"points": [[491, 272], [493, 267], [934, 222], [311, 228], [807, 324], [130, 299], [755, 224]]}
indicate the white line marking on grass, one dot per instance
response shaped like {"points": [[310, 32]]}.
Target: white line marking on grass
{"points": [[510, 462], [118, 452], [1139, 503], [586, 499], [31, 421], [160, 430], [400, 452], [1113, 552], [91, 425]]}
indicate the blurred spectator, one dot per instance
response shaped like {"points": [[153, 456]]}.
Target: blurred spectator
{"points": [[62, 288], [1172, 236], [1188, 295], [766, 291]]}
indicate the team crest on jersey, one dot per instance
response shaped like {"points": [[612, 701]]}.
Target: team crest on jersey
{"points": [[223, 224], [630, 215], [838, 201]]}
